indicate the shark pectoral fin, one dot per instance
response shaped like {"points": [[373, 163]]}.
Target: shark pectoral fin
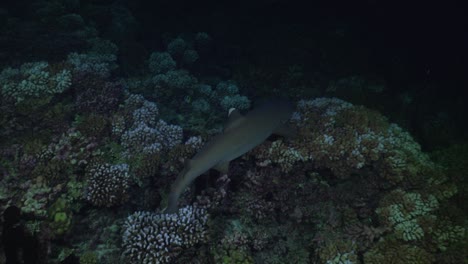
{"points": [[222, 167], [285, 131], [187, 164], [234, 119]]}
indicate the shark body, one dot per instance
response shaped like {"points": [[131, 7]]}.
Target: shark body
{"points": [[240, 134]]}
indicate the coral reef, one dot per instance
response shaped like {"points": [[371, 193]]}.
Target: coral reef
{"points": [[183, 95], [95, 127], [60, 217], [390, 251], [33, 81], [159, 238], [344, 138], [161, 62], [98, 98]]}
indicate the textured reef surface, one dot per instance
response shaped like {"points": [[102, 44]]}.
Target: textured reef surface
{"points": [[89, 150]]}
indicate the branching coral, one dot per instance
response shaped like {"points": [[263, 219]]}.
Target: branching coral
{"points": [[403, 211], [72, 147], [36, 199], [145, 139], [161, 62], [345, 138], [447, 233], [101, 98], [338, 252], [391, 251], [141, 131], [278, 153], [108, 185], [160, 238], [93, 64], [33, 81]]}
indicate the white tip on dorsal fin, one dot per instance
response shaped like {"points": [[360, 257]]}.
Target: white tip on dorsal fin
{"points": [[231, 110], [234, 118]]}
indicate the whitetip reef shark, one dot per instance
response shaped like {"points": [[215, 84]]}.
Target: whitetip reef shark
{"points": [[241, 133]]}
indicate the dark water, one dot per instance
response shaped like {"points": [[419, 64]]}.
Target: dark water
{"points": [[106, 104]]}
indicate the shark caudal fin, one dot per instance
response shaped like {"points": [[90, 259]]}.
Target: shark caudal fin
{"points": [[177, 188]]}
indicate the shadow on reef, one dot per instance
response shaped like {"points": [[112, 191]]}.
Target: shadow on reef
{"points": [[19, 245]]}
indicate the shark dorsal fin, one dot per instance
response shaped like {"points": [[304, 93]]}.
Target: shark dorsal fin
{"points": [[234, 119]]}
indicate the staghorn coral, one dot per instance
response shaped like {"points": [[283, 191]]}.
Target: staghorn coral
{"points": [[160, 238], [107, 185]]}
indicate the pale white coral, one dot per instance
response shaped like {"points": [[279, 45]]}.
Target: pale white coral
{"points": [[159, 238]]}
